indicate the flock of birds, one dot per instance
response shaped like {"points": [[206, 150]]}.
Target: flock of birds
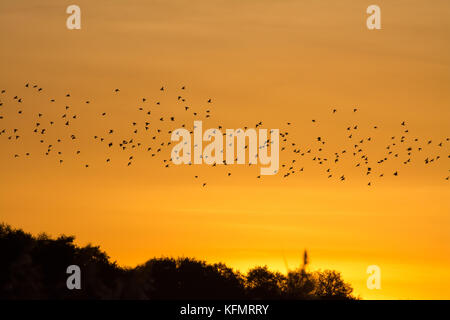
{"points": [[294, 157]]}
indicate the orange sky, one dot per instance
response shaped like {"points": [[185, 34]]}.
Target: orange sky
{"points": [[270, 61]]}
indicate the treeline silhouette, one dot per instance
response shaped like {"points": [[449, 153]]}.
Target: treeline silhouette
{"points": [[35, 268]]}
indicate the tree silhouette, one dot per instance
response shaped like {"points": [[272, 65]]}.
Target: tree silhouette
{"points": [[35, 268], [329, 284], [264, 284]]}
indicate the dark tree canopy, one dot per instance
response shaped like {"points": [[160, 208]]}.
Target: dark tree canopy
{"points": [[35, 268]]}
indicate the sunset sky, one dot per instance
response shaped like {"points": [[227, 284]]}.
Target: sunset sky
{"points": [[258, 60]]}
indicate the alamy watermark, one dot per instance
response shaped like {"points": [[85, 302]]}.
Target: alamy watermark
{"points": [[74, 280], [374, 20], [74, 20], [227, 152], [374, 280]]}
